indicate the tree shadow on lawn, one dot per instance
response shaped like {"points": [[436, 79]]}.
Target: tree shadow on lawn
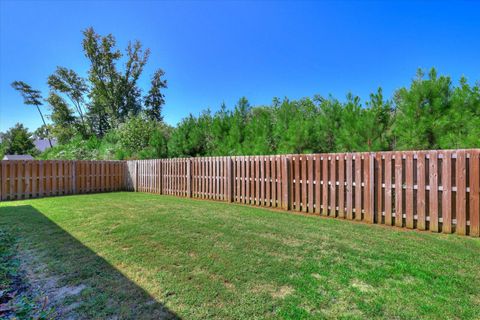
{"points": [[78, 283]]}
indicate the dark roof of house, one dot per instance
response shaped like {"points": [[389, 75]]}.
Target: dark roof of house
{"points": [[18, 157], [43, 144]]}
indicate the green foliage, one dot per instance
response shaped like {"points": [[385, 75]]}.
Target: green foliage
{"points": [[114, 93], [432, 113], [106, 98], [77, 149], [43, 132], [18, 140], [155, 99], [142, 137], [259, 132], [66, 81], [31, 97], [64, 122], [191, 137]]}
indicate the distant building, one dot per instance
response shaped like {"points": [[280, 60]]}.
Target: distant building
{"points": [[43, 144], [18, 157]]}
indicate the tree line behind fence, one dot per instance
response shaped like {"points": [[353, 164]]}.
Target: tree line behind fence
{"points": [[426, 190]]}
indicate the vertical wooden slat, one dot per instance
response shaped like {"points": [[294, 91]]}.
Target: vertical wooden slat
{"points": [[102, 173], [358, 186], [75, 180], [398, 189], [341, 185], [447, 192], [41, 181], [27, 192], [266, 177], [388, 189], [286, 183], [409, 211], [244, 179], [61, 175], [12, 179], [325, 184], [379, 187], [461, 195], [349, 186], [317, 183], [160, 178], [273, 163], [206, 174], [217, 177], [257, 180], [262, 181], [80, 180], [189, 178], [421, 191], [333, 185], [193, 178], [474, 193], [433, 195], [295, 185], [4, 180], [230, 180], [87, 176], [204, 178], [250, 180], [67, 177], [237, 177], [212, 178], [369, 180], [303, 181], [279, 182], [223, 179], [20, 165], [310, 171]]}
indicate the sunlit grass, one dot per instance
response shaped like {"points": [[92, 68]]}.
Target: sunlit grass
{"points": [[215, 260]]}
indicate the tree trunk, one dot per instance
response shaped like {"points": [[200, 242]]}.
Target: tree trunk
{"points": [[46, 128]]}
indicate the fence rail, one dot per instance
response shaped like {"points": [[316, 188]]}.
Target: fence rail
{"points": [[426, 190], [24, 179]]}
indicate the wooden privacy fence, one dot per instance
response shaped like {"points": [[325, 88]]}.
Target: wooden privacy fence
{"points": [[24, 179], [427, 190]]}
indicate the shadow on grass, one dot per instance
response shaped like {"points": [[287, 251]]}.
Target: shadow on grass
{"points": [[79, 282]]}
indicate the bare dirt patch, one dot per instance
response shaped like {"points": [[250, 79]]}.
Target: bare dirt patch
{"points": [[49, 287], [275, 291]]}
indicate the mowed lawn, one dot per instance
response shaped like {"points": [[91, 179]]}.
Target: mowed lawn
{"points": [[133, 255]]}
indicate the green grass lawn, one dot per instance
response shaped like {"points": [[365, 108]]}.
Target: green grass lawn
{"points": [[134, 255]]}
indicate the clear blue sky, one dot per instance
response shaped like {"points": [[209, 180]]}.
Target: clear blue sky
{"points": [[219, 51]]}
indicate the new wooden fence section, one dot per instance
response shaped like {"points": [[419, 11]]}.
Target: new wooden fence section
{"points": [[24, 179], [427, 190]]}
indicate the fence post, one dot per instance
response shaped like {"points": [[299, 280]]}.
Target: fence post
{"points": [[74, 177], [369, 189], [286, 201], [160, 176], [189, 177], [135, 186], [230, 179]]}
